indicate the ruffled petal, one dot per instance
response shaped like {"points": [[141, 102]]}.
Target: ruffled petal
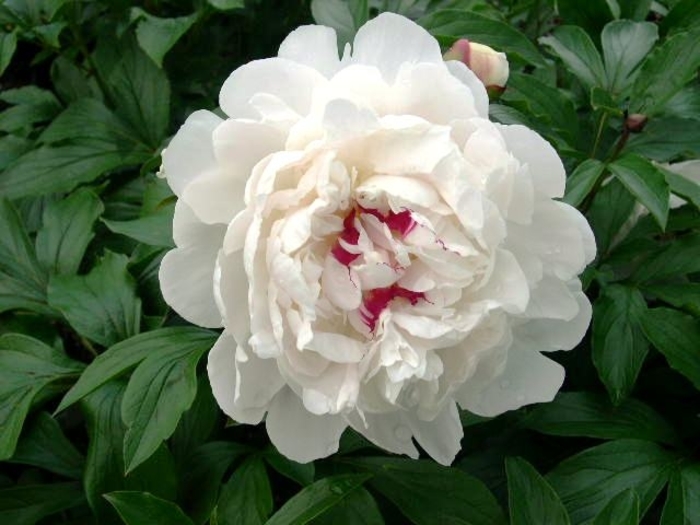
{"points": [[190, 154], [469, 79], [291, 82], [299, 434], [528, 378], [313, 46], [388, 431], [545, 165], [440, 437], [187, 272], [390, 40]]}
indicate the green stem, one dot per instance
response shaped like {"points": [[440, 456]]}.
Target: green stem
{"points": [[599, 134]]}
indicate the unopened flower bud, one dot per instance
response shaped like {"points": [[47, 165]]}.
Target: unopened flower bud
{"points": [[490, 66], [636, 122]]}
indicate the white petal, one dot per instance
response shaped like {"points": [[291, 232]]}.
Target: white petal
{"points": [[299, 434], [313, 46], [440, 437], [388, 431], [293, 83], [187, 278], [341, 284], [337, 347], [469, 79], [557, 334], [545, 165], [551, 298], [231, 291], [215, 198], [190, 152], [242, 383], [414, 93], [507, 286], [528, 378], [390, 40], [240, 144]]}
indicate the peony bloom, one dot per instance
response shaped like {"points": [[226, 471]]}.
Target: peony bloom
{"points": [[375, 248], [490, 66]]}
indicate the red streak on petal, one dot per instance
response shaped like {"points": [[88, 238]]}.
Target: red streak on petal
{"points": [[375, 301], [350, 235], [401, 223]]}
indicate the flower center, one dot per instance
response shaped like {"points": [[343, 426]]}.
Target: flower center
{"points": [[374, 300]]}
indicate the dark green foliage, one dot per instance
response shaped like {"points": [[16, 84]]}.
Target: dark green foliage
{"points": [[106, 414]]}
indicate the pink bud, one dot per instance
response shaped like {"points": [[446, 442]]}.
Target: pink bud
{"points": [[491, 67]]}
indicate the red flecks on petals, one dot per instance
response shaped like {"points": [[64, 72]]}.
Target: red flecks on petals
{"points": [[375, 301], [401, 222], [350, 235]]}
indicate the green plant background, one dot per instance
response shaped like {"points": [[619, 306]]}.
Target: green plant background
{"points": [[106, 415]]}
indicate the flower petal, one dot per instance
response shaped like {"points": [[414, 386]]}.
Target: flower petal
{"points": [[388, 431], [469, 79], [299, 434], [390, 40], [313, 46], [187, 275], [545, 165], [242, 383], [190, 153], [528, 378], [440, 437], [292, 82]]}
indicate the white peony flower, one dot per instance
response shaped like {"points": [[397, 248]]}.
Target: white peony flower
{"points": [[375, 248]]}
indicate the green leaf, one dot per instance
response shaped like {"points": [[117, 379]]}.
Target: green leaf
{"points": [[104, 468], [665, 71], [681, 257], [27, 504], [625, 44], [8, 44], [22, 279], [155, 229], [26, 367], [31, 105], [454, 496], [683, 186], [611, 208], [246, 498], [619, 345], [58, 169], [666, 138], [635, 9], [11, 148], [142, 94], [70, 82], [358, 508], [202, 475], [583, 179], [677, 336], [139, 508], [317, 498], [588, 481], [586, 414], [102, 305], [591, 15], [602, 99], [196, 424], [576, 49], [49, 34], [90, 122], [156, 35], [67, 231], [161, 388], [125, 355], [623, 509], [646, 182], [335, 14], [683, 501], [531, 498], [43, 445], [685, 296], [227, 5], [302, 473], [544, 102], [685, 13], [448, 25]]}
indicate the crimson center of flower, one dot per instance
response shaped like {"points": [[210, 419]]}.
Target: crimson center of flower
{"points": [[376, 300]]}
